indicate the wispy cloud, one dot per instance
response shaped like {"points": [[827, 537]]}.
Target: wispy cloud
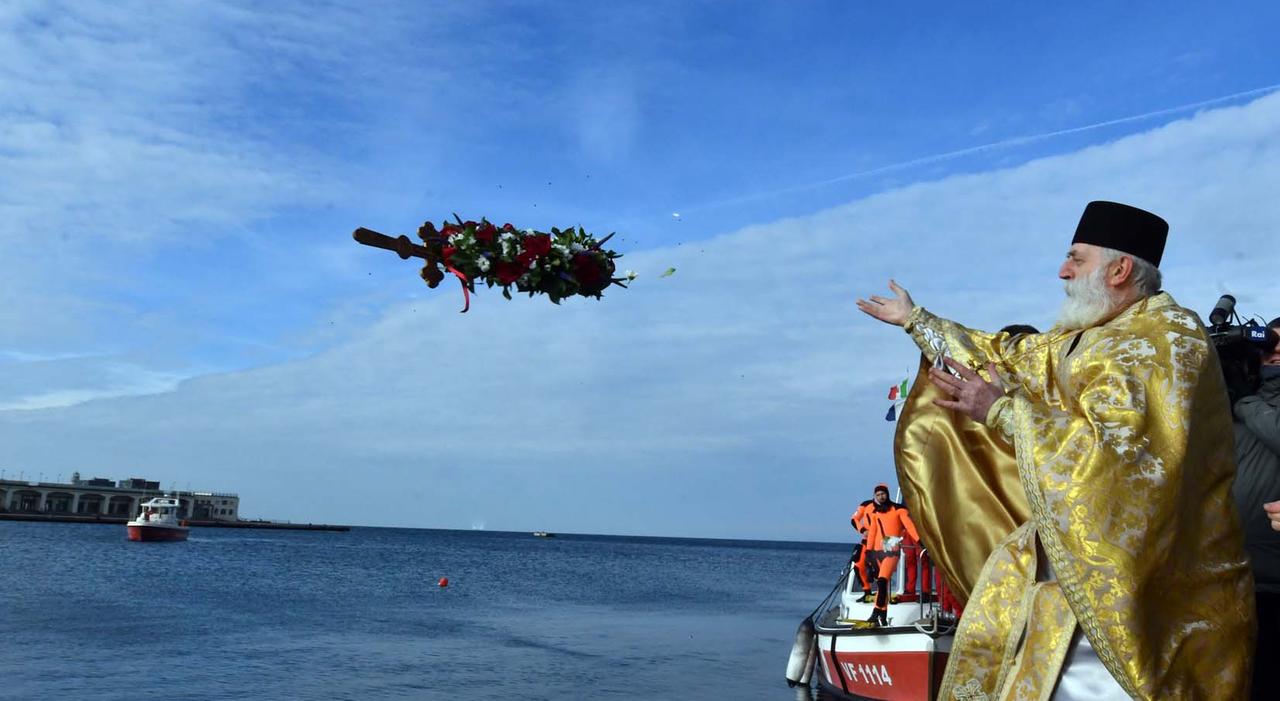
{"points": [[30, 382], [26, 357], [1058, 108], [154, 159], [132, 136]]}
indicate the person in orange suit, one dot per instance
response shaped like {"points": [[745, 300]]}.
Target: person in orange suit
{"points": [[888, 523], [861, 520]]}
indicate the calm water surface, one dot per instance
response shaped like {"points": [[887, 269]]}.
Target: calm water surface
{"points": [[247, 614]]}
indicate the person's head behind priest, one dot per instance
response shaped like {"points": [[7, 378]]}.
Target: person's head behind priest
{"points": [[1020, 330], [1272, 357], [1113, 262]]}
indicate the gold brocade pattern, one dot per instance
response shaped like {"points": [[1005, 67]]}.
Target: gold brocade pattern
{"points": [[1050, 626], [986, 641], [1123, 467]]}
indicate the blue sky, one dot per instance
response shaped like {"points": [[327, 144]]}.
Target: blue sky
{"points": [[181, 298]]}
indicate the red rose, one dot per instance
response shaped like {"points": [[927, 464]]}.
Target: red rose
{"points": [[507, 272], [537, 244], [591, 270], [485, 232], [448, 229], [508, 227], [526, 258], [446, 253]]}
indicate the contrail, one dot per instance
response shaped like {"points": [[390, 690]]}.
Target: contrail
{"points": [[1016, 141]]}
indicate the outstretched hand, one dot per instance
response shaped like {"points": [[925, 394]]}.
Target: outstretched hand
{"points": [[890, 310], [972, 395]]}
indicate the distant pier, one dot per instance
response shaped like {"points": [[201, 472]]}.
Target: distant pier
{"points": [[120, 520], [103, 500]]}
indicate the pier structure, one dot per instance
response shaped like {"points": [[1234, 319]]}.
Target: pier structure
{"points": [[105, 497]]}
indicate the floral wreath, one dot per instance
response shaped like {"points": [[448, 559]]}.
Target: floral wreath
{"points": [[559, 264]]}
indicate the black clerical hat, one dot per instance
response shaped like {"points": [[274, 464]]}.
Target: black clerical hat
{"points": [[1127, 229]]}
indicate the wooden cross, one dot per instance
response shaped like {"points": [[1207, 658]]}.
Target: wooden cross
{"points": [[407, 249]]}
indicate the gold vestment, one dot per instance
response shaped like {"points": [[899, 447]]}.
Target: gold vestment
{"points": [[1113, 448]]}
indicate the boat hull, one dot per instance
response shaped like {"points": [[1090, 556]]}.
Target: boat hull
{"points": [[156, 533], [897, 665]]}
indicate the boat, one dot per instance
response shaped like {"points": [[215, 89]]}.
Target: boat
{"points": [[853, 660], [158, 521], [543, 534]]}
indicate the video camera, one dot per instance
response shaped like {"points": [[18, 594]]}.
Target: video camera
{"points": [[1240, 346]]}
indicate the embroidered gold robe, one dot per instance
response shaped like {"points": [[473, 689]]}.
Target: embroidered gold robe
{"points": [[1113, 448]]}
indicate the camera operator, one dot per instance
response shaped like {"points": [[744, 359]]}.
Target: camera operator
{"points": [[1257, 486]]}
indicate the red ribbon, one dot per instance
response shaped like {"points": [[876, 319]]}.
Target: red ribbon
{"points": [[466, 293]]}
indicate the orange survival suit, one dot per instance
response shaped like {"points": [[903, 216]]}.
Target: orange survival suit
{"points": [[888, 523], [861, 520]]}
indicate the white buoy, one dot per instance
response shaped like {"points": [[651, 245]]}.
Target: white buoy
{"points": [[810, 663], [804, 652]]}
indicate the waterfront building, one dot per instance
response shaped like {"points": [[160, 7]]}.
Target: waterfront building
{"points": [[100, 496]]}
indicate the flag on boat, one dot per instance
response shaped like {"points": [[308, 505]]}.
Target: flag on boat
{"points": [[898, 396]]}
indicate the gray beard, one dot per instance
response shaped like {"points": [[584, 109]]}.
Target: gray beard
{"points": [[1088, 302]]}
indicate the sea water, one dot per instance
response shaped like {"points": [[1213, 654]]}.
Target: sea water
{"points": [[266, 614]]}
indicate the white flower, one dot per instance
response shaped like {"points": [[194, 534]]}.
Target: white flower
{"points": [[576, 247], [560, 248], [631, 275], [483, 263], [507, 236], [530, 232]]}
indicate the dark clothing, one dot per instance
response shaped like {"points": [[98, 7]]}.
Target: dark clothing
{"points": [[1257, 430], [1266, 686]]}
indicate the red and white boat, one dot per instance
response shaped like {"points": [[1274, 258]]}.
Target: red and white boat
{"points": [[158, 521], [855, 661]]}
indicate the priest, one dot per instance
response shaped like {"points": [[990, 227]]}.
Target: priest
{"points": [[1075, 486]]}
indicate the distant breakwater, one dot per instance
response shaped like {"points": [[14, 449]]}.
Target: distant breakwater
{"points": [[121, 520]]}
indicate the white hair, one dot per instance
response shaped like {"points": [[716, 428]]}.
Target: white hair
{"points": [[1145, 276]]}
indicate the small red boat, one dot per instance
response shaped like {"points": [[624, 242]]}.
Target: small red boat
{"points": [[158, 521]]}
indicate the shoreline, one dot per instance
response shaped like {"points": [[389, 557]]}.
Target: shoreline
{"points": [[121, 520]]}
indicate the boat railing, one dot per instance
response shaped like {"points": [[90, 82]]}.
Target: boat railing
{"points": [[930, 617], [933, 619]]}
